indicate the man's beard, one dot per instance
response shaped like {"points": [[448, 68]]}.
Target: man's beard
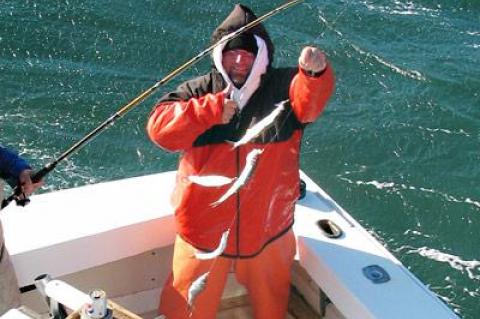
{"points": [[237, 79]]}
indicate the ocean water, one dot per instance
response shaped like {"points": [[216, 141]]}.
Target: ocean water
{"points": [[398, 145]]}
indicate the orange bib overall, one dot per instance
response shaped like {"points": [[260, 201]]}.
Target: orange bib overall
{"points": [[266, 277]]}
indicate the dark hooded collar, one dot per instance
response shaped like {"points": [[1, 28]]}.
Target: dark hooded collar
{"points": [[240, 16]]}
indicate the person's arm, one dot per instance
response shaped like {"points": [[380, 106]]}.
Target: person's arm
{"points": [[176, 123], [312, 86], [16, 171], [11, 166]]}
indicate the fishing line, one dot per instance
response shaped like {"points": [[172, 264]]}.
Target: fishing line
{"points": [[326, 23], [37, 176]]}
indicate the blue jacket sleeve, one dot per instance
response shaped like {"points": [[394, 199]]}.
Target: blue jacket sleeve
{"points": [[11, 165]]}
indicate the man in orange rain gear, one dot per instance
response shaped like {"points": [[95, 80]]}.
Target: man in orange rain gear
{"points": [[201, 119]]}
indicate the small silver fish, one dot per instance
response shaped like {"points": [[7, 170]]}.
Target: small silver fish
{"points": [[210, 180], [245, 175], [196, 288], [217, 252], [255, 130]]}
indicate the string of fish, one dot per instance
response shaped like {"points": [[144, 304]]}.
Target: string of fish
{"points": [[252, 157]]}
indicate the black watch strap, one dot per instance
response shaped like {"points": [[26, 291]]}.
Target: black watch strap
{"points": [[314, 74]]}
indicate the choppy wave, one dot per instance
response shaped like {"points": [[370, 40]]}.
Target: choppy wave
{"points": [[471, 267], [446, 131], [417, 233], [396, 188], [402, 8]]}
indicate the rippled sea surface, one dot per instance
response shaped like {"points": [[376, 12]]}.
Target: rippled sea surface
{"points": [[398, 146]]}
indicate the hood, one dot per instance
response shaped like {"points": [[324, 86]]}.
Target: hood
{"points": [[240, 16], [259, 68]]}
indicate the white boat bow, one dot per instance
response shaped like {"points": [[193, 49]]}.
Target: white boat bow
{"points": [[93, 235]]}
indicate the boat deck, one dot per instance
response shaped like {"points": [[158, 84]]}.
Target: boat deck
{"points": [[303, 294]]}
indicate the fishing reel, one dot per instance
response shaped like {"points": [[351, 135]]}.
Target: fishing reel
{"points": [[20, 199]]}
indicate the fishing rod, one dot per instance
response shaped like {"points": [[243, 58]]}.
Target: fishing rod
{"points": [[39, 175]]}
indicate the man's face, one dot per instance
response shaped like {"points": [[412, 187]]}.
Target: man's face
{"points": [[238, 64]]}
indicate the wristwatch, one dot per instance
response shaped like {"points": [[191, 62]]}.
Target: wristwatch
{"points": [[314, 74]]}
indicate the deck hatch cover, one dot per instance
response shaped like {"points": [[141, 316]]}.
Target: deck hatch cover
{"points": [[376, 274]]}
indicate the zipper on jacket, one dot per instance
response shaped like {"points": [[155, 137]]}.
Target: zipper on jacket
{"points": [[238, 205]]}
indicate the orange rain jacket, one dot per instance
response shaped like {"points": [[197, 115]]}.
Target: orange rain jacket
{"points": [[188, 120]]}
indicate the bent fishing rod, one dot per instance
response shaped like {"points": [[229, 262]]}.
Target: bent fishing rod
{"points": [[39, 175]]}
